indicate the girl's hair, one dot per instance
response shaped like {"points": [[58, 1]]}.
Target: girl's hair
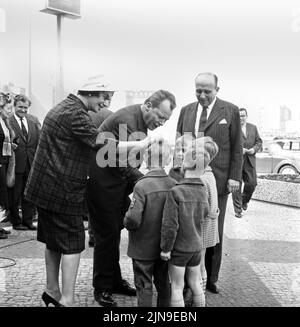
{"points": [[209, 145], [196, 156]]}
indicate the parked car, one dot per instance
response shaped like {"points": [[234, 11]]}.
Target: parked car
{"points": [[289, 144], [279, 156]]}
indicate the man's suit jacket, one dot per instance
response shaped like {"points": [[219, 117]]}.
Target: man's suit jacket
{"points": [[26, 149], [251, 140], [224, 126], [109, 187]]}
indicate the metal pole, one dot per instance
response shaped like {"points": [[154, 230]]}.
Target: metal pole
{"points": [[29, 63], [59, 78]]}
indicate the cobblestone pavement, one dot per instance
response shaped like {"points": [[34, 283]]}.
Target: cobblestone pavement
{"points": [[260, 267]]}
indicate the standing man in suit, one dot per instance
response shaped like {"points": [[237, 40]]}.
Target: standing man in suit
{"points": [[211, 116], [98, 118], [108, 190], [27, 129], [251, 144]]}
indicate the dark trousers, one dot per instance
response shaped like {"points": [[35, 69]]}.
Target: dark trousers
{"points": [[17, 198], [250, 181], [147, 273], [106, 228], [213, 255]]}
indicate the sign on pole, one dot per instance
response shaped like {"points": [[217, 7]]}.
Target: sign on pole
{"points": [[68, 8]]}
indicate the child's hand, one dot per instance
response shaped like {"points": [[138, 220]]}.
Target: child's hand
{"points": [[165, 255]]}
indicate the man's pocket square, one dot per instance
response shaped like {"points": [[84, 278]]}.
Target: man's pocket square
{"points": [[223, 121]]}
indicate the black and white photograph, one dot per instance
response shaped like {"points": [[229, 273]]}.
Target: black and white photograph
{"points": [[150, 156]]}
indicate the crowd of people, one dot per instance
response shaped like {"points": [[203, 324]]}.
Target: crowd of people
{"points": [[83, 164]]}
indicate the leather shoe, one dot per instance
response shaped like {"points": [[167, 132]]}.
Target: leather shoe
{"points": [[124, 288], [3, 236], [31, 227], [5, 220], [238, 215], [4, 231], [245, 206], [105, 298], [212, 287], [20, 227]]}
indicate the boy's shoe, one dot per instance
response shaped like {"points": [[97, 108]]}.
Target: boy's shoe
{"points": [[3, 236], [20, 227], [105, 298], [2, 230]]}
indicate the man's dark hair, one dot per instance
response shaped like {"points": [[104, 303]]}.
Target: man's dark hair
{"points": [[159, 96], [22, 98], [243, 109]]}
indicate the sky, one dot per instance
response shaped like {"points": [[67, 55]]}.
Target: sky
{"points": [[253, 46]]}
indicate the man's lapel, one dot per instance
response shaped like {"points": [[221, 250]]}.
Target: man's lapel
{"points": [[216, 112], [191, 118], [247, 131], [30, 128]]}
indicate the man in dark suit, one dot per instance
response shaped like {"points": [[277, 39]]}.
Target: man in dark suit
{"points": [[108, 190], [211, 116], [98, 118], [27, 129], [251, 144]]}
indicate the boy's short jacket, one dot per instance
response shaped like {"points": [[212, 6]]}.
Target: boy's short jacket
{"points": [[144, 216], [185, 209]]}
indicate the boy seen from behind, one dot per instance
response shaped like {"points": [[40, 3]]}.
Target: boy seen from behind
{"points": [[143, 221], [181, 236]]}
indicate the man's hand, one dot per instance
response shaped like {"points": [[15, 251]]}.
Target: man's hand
{"points": [[251, 151], [165, 256], [245, 150], [233, 185]]}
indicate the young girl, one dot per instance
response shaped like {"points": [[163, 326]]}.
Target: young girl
{"points": [[181, 235], [210, 235], [181, 144]]}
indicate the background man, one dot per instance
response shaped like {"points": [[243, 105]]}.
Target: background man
{"points": [[251, 144], [108, 190], [220, 120], [27, 128]]}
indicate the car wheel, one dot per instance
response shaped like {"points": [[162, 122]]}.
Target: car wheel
{"points": [[288, 170]]}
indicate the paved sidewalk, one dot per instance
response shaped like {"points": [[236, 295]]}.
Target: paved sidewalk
{"points": [[260, 267]]}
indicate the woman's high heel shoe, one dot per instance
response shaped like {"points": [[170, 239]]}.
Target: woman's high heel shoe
{"points": [[49, 299]]}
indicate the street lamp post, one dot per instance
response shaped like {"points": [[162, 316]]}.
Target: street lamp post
{"points": [[66, 8], [59, 94]]}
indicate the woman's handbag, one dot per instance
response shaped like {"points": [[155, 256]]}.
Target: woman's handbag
{"points": [[10, 174]]}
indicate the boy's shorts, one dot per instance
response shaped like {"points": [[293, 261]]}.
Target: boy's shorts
{"points": [[185, 259]]}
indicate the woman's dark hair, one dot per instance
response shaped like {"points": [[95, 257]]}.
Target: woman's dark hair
{"points": [[6, 97]]}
